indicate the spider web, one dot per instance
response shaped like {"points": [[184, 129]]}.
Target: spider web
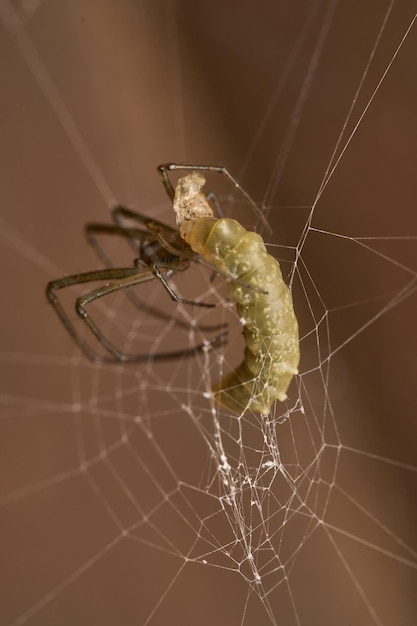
{"points": [[128, 497]]}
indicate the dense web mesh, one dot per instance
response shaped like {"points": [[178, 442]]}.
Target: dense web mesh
{"points": [[129, 496]]}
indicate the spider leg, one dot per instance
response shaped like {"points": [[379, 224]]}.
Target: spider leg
{"points": [[134, 237], [174, 264], [168, 237], [163, 169], [79, 279], [218, 169], [103, 291], [157, 273], [121, 278], [215, 203], [121, 212]]}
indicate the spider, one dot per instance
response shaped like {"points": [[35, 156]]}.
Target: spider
{"points": [[160, 252]]}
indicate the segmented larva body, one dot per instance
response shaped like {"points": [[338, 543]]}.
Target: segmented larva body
{"points": [[263, 302]]}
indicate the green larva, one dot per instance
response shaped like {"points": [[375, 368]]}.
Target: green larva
{"points": [[263, 301]]}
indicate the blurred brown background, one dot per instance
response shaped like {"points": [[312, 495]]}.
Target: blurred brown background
{"points": [[94, 96]]}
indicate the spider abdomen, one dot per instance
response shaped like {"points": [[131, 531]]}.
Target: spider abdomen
{"points": [[264, 304]]}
